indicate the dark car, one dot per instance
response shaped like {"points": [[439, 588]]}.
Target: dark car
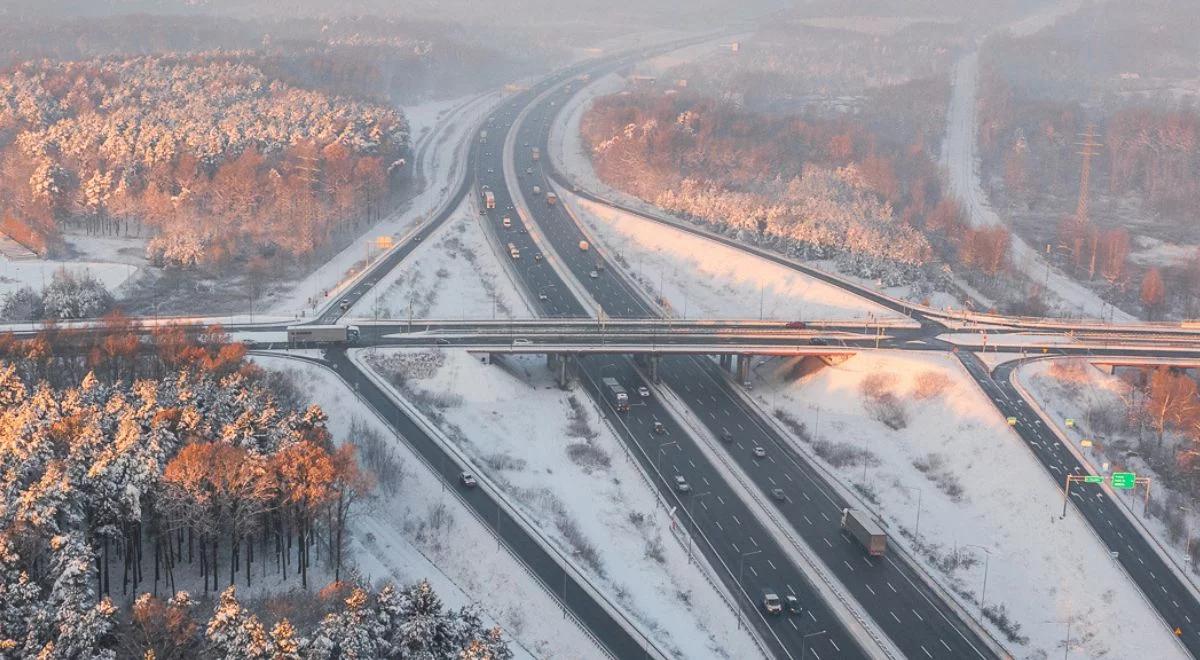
{"points": [[778, 495], [726, 436], [792, 604], [796, 325]]}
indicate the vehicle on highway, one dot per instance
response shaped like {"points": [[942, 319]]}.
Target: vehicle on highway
{"points": [[583, 246], [506, 222], [817, 341], [537, 256], [795, 325], [513, 251], [313, 335], [866, 531], [529, 170], [771, 603], [345, 304], [489, 198], [1012, 421], [551, 199], [726, 436], [681, 484], [535, 154], [467, 479], [759, 452], [491, 170], [542, 296], [537, 190], [483, 137], [521, 341], [615, 394], [659, 428], [593, 274], [792, 604], [778, 495], [643, 391]]}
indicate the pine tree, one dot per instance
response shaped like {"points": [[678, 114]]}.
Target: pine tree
{"points": [[234, 632]]}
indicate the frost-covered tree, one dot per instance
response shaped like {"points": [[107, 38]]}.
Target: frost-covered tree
{"points": [[235, 633]]}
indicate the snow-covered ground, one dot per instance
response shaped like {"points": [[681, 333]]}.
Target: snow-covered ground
{"points": [[37, 273], [571, 157], [442, 129], [961, 159], [454, 274], [425, 532], [1076, 389], [978, 486], [704, 279], [554, 456], [983, 339]]}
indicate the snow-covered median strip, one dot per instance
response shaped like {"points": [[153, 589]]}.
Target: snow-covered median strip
{"points": [[551, 454], [423, 531]]}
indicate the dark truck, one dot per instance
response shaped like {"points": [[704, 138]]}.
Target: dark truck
{"points": [[866, 531], [616, 394]]}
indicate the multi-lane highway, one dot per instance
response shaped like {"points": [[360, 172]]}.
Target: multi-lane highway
{"points": [[723, 430], [915, 618]]}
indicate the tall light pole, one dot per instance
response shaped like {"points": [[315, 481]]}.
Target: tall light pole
{"points": [[1067, 641], [662, 450], [917, 531], [987, 557], [804, 641], [741, 566]]}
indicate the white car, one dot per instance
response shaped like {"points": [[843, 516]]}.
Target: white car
{"points": [[467, 479], [593, 274], [644, 392], [681, 484], [759, 452], [521, 341]]}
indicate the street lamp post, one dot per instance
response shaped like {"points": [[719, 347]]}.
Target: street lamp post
{"points": [[1067, 641], [741, 566], [662, 450], [804, 642], [987, 558], [917, 530]]}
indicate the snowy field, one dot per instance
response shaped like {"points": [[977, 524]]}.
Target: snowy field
{"points": [[424, 532], [950, 451], [454, 274], [704, 279], [37, 273], [553, 454], [1075, 389]]}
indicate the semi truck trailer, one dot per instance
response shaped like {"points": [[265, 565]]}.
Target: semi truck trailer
{"points": [[322, 334], [866, 531], [616, 394]]}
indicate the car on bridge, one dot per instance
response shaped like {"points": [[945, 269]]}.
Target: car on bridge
{"points": [[778, 495], [659, 428], [795, 325], [593, 274]]}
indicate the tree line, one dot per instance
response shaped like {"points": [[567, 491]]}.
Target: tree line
{"points": [[812, 187], [207, 154]]}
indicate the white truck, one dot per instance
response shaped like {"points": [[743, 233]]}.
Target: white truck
{"points": [[320, 335], [535, 154], [513, 251], [489, 198], [866, 531], [483, 137]]}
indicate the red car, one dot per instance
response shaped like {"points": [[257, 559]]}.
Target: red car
{"points": [[796, 325]]}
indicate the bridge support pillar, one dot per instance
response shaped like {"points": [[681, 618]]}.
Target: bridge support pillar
{"points": [[743, 368], [654, 362], [726, 361], [563, 369]]}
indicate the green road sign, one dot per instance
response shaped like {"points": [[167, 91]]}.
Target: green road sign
{"points": [[1093, 479], [1123, 480]]}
